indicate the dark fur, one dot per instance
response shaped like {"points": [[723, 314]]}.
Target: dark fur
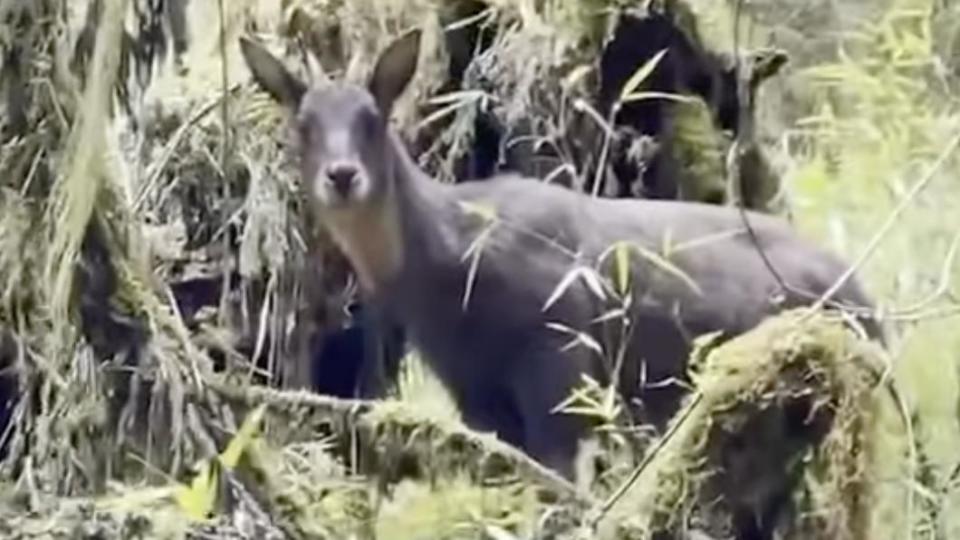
{"points": [[502, 364], [360, 360], [9, 391]]}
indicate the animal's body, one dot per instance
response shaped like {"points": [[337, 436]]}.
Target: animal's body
{"points": [[505, 365], [499, 357]]}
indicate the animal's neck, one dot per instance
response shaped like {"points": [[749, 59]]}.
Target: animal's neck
{"points": [[370, 241], [425, 209]]}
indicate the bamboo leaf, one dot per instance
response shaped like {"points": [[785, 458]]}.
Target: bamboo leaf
{"points": [[668, 267], [616, 313], [474, 252], [244, 438], [589, 278], [621, 255], [485, 211], [576, 75], [641, 96], [199, 498], [641, 75], [579, 338]]}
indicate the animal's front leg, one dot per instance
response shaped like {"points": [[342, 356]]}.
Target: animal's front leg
{"points": [[382, 351], [552, 437]]}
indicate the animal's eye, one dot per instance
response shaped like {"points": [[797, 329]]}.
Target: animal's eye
{"points": [[307, 125], [370, 123], [303, 132]]}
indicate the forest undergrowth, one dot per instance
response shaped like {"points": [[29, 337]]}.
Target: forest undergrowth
{"points": [[141, 419]]}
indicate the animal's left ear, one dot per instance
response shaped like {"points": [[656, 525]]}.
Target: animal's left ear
{"points": [[271, 75], [394, 69]]}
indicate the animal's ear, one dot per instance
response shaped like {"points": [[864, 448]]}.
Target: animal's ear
{"points": [[271, 75], [394, 69]]}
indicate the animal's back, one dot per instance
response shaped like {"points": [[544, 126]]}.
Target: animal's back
{"points": [[731, 271]]}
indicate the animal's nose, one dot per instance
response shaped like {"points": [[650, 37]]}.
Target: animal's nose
{"points": [[342, 176]]}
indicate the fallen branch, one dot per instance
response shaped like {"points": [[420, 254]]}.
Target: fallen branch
{"points": [[388, 424]]}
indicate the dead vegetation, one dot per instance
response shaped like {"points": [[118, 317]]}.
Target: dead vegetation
{"points": [[130, 402]]}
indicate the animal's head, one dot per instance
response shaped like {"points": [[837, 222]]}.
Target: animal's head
{"points": [[344, 148]]}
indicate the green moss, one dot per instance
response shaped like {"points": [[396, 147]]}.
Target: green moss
{"points": [[696, 150]]}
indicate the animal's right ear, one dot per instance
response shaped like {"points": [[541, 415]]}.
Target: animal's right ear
{"points": [[394, 69], [271, 75]]}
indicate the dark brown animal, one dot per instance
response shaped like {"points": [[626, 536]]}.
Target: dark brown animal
{"points": [[505, 365]]}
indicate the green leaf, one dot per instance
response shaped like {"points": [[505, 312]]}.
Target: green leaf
{"points": [[485, 211], [199, 498], [588, 276], [244, 438], [579, 338], [668, 267], [640, 96], [575, 75], [640, 75], [621, 254], [473, 252]]}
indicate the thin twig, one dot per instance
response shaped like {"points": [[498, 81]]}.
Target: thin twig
{"points": [[745, 135], [224, 152]]}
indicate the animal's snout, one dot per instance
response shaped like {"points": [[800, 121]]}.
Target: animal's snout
{"points": [[343, 177]]}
